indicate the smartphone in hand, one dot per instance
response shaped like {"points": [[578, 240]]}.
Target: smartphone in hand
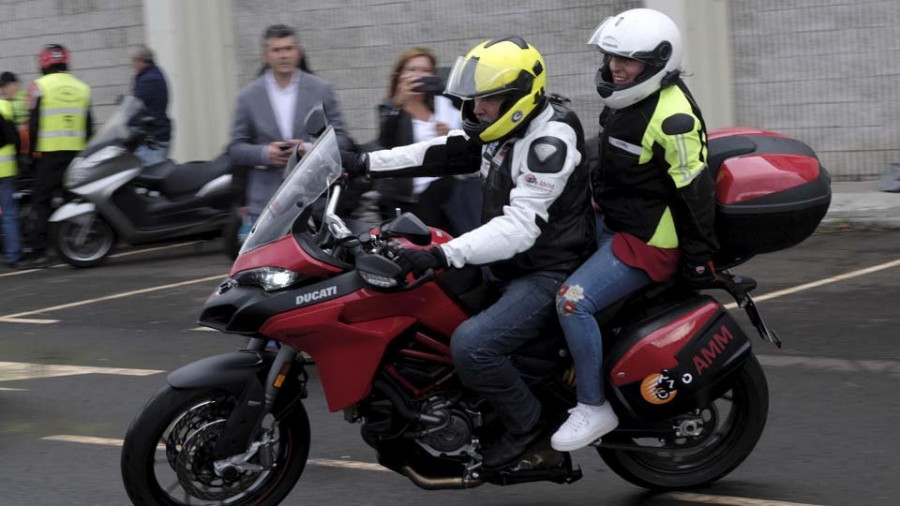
{"points": [[428, 84]]}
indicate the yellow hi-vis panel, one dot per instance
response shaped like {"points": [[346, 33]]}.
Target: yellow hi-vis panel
{"points": [[64, 107]]}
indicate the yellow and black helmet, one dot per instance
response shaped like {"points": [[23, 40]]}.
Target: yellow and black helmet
{"points": [[504, 65]]}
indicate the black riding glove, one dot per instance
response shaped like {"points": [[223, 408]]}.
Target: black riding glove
{"points": [[355, 164], [699, 272], [418, 261]]}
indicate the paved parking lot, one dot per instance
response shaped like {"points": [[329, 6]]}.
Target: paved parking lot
{"points": [[82, 350]]}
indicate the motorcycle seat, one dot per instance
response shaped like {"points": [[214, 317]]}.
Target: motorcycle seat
{"points": [[190, 177], [154, 176]]}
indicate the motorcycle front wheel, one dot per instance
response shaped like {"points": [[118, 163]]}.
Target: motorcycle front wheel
{"points": [[711, 441], [84, 241], [167, 454]]}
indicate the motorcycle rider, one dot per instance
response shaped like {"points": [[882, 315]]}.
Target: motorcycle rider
{"points": [[537, 220], [655, 196]]}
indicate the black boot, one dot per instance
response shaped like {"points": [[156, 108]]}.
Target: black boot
{"points": [[510, 447]]}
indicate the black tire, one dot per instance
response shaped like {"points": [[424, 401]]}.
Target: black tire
{"points": [[142, 455], [717, 455], [100, 240]]}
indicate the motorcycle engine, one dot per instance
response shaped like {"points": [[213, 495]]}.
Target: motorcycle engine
{"points": [[453, 436]]}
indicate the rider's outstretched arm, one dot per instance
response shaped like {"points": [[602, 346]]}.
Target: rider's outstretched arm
{"points": [[451, 154]]}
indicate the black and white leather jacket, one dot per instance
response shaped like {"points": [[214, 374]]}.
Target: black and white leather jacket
{"points": [[537, 212]]}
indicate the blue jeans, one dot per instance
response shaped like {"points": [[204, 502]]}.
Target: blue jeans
{"points": [[12, 243], [598, 283], [482, 344], [153, 156]]}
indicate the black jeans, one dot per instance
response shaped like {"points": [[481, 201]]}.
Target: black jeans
{"points": [[482, 344], [48, 176]]}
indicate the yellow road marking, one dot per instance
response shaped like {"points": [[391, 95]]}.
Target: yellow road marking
{"points": [[15, 317], [18, 371], [158, 248], [725, 500], [105, 441], [821, 282], [117, 255]]}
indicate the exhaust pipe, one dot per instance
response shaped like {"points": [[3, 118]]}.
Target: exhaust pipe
{"points": [[427, 483]]}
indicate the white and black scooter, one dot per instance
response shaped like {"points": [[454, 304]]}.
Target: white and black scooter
{"points": [[115, 198]]}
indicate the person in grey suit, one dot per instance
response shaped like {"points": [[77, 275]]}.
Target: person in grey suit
{"points": [[268, 122]]}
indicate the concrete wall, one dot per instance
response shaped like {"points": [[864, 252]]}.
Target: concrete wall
{"points": [[821, 70], [826, 72], [97, 32], [353, 43]]}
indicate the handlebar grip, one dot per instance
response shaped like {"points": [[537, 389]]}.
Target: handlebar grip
{"points": [[429, 275]]}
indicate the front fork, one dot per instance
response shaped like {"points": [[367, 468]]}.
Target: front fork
{"points": [[258, 399]]}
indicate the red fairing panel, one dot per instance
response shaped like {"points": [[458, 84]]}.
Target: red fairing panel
{"points": [[657, 350], [739, 130], [347, 356], [348, 336], [751, 177], [285, 253]]}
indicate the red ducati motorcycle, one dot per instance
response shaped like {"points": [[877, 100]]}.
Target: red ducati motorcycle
{"points": [[691, 397]]}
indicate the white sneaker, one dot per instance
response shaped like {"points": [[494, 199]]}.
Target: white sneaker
{"points": [[585, 425]]}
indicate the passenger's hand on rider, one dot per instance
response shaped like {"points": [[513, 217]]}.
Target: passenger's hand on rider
{"points": [[354, 164], [418, 261], [699, 272]]}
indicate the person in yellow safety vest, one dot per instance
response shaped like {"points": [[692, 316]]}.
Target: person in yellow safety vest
{"points": [[59, 127], [9, 215], [11, 89]]}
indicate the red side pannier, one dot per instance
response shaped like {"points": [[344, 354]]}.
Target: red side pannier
{"points": [[771, 192]]}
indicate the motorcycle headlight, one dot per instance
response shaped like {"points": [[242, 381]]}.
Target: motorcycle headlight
{"points": [[269, 279]]}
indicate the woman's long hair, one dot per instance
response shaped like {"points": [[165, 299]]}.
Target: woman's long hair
{"points": [[405, 56]]}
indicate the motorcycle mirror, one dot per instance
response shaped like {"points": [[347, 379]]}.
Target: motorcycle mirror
{"points": [[409, 226], [316, 122]]}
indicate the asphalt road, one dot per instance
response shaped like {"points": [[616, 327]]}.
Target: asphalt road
{"points": [[833, 387]]}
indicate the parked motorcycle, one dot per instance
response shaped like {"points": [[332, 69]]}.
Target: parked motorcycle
{"points": [[115, 198], [691, 396]]}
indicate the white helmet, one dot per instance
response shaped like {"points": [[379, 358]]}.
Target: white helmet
{"points": [[640, 34]]}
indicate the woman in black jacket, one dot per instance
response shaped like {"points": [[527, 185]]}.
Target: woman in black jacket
{"points": [[416, 111]]}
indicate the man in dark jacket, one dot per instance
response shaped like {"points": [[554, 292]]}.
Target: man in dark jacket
{"points": [[150, 88]]}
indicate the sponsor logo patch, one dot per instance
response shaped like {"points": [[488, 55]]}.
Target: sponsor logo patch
{"points": [[712, 350], [658, 389], [532, 180]]}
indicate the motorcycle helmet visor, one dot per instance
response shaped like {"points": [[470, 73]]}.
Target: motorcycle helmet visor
{"points": [[471, 78]]}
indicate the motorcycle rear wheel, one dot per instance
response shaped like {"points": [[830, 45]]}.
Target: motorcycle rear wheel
{"points": [[165, 457], [719, 453]]}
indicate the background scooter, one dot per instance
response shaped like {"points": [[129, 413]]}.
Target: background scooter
{"points": [[115, 198]]}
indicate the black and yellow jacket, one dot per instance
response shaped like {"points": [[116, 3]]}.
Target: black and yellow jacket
{"points": [[652, 180]]}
